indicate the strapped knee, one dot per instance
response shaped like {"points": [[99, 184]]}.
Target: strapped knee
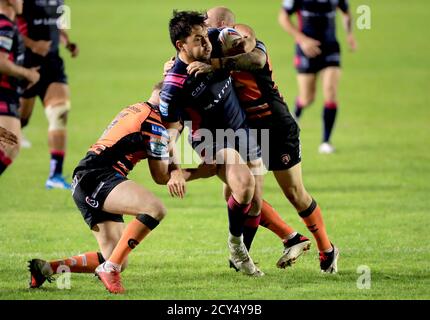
{"points": [[57, 116]]}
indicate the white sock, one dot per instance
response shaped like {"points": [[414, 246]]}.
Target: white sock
{"points": [[234, 239], [110, 266], [291, 235], [329, 250]]}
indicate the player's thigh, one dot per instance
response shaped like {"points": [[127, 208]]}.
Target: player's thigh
{"points": [[330, 80], [130, 198], [107, 234], [26, 106], [307, 87], [236, 174], [291, 183], [57, 93]]}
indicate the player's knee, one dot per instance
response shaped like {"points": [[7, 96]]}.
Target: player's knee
{"points": [[57, 116], [157, 210], [306, 100]]}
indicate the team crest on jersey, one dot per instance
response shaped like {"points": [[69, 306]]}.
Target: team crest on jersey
{"points": [[92, 203], [285, 158]]}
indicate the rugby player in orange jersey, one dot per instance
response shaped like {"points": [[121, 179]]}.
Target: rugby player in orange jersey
{"points": [[266, 109], [103, 193]]}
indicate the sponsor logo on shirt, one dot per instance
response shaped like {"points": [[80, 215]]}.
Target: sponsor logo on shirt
{"points": [[6, 43]]}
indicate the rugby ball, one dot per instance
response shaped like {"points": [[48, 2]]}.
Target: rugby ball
{"points": [[228, 38]]}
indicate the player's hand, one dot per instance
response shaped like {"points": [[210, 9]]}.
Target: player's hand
{"points": [[33, 76], [73, 49], [176, 184], [310, 47], [168, 65], [7, 137], [41, 47], [352, 43], [198, 67]]}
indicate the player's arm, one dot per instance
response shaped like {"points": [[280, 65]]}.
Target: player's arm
{"points": [[309, 46], [347, 24], [249, 61], [72, 47], [9, 68], [203, 171]]}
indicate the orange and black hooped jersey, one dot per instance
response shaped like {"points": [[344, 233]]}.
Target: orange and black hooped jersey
{"points": [[258, 93], [135, 134]]}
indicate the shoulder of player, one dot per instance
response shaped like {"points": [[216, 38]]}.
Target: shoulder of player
{"points": [[176, 77]]}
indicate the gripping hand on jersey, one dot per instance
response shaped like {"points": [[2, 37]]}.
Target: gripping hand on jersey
{"points": [[198, 67]]}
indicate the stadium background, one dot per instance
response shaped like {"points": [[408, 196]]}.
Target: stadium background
{"points": [[373, 191]]}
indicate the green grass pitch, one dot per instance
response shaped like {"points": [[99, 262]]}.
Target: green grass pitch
{"points": [[374, 192]]}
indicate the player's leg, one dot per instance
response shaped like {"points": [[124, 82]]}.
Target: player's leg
{"points": [[9, 152], [238, 177], [57, 106], [253, 218], [132, 199], [291, 183], [330, 79], [270, 219], [25, 111], [307, 90]]}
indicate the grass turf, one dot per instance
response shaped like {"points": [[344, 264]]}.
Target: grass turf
{"points": [[373, 191]]}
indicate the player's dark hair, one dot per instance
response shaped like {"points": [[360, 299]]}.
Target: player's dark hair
{"points": [[182, 23]]}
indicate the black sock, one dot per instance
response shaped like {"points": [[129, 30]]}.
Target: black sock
{"points": [[250, 229], [2, 167], [298, 110], [329, 118], [56, 166], [237, 214]]}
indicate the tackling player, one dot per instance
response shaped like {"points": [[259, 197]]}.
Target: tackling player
{"points": [[11, 71], [317, 50], [42, 37], [103, 193]]}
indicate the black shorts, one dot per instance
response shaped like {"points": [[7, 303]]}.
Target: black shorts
{"points": [[9, 104], [282, 150], [90, 190], [329, 57], [242, 140], [51, 71]]}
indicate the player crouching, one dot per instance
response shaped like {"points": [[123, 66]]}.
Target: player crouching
{"points": [[103, 193]]}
